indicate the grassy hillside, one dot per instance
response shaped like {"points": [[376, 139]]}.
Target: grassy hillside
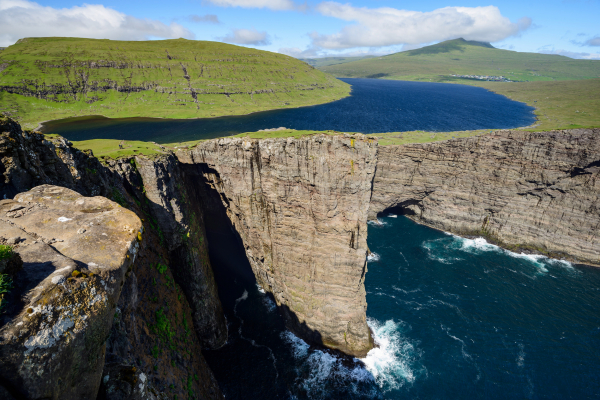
{"points": [[326, 61], [50, 78], [460, 57]]}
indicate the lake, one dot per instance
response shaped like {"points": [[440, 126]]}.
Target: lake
{"points": [[375, 106]]}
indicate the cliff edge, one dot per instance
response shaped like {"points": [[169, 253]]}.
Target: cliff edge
{"points": [[300, 207], [532, 191]]}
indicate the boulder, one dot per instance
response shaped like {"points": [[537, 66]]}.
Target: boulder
{"points": [[76, 254]]}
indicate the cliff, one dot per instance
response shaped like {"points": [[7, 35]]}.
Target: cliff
{"points": [[76, 252], [300, 207], [153, 336], [535, 191]]}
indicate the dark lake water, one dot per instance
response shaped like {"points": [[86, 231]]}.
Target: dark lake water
{"points": [[375, 106], [454, 318]]}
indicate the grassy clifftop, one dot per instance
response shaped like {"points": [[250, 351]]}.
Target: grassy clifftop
{"points": [[50, 78], [461, 57]]}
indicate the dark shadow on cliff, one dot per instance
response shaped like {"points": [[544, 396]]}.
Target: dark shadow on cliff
{"points": [[401, 209], [258, 360]]}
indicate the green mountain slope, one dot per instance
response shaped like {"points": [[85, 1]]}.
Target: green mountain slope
{"points": [[437, 63], [325, 61], [49, 78]]}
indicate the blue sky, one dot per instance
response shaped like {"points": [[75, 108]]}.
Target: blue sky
{"points": [[318, 28]]}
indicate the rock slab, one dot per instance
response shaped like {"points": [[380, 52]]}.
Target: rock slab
{"points": [[76, 252]]}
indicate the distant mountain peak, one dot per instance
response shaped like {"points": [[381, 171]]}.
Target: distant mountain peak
{"points": [[471, 43], [448, 46]]}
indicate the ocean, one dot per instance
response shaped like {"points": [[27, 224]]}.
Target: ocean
{"points": [[453, 318]]}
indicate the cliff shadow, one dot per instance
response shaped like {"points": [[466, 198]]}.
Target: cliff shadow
{"points": [[405, 208], [230, 265]]}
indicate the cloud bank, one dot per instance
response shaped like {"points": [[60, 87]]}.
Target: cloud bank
{"points": [[247, 36], [595, 41], [210, 18], [375, 27], [571, 54], [270, 4], [22, 18]]}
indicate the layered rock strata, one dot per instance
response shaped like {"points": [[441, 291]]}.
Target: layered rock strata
{"points": [[534, 191], [152, 350], [76, 252], [300, 207], [180, 219]]}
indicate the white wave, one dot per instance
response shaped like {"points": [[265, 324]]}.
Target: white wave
{"points": [[521, 356], [266, 300], [243, 297], [439, 249], [377, 222], [373, 257], [299, 346], [391, 363], [476, 245], [407, 263], [392, 216]]}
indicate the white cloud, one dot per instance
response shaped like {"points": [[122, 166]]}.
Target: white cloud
{"points": [[210, 18], [570, 54], [247, 36], [390, 26], [22, 18], [595, 41], [270, 4]]}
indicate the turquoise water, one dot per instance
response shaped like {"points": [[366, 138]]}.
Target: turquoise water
{"points": [[454, 318]]}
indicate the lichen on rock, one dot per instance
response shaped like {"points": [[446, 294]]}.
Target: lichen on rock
{"points": [[53, 334]]}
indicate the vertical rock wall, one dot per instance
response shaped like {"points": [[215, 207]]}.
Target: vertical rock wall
{"points": [[180, 219], [533, 191], [152, 349], [300, 207]]}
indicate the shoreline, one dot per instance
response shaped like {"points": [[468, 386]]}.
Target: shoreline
{"points": [[40, 125]]}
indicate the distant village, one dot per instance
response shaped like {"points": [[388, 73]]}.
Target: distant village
{"points": [[484, 77]]}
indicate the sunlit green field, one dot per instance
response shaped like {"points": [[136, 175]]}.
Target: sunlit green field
{"points": [[438, 62], [51, 78]]}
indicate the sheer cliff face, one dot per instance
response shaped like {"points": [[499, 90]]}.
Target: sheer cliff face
{"points": [[523, 190], [180, 219], [152, 349], [300, 207]]}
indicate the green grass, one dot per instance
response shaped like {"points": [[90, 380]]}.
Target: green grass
{"points": [[326, 61], [559, 105], [397, 138], [436, 63], [110, 147], [284, 134], [5, 251], [53, 78]]}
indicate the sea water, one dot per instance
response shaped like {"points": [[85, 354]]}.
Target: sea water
{"points": [[453, 318]]}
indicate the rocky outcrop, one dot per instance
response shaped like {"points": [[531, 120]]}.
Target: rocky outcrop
{"points": [[300, 207], [180, 219], [534, 191], [152, 350], [76, 252]]}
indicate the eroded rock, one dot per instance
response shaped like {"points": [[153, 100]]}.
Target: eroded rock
{"points": [[526, 191], [300, 207], [60, 310]]}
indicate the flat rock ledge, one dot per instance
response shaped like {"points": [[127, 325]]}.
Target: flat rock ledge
{"points": [[76, 253]]}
